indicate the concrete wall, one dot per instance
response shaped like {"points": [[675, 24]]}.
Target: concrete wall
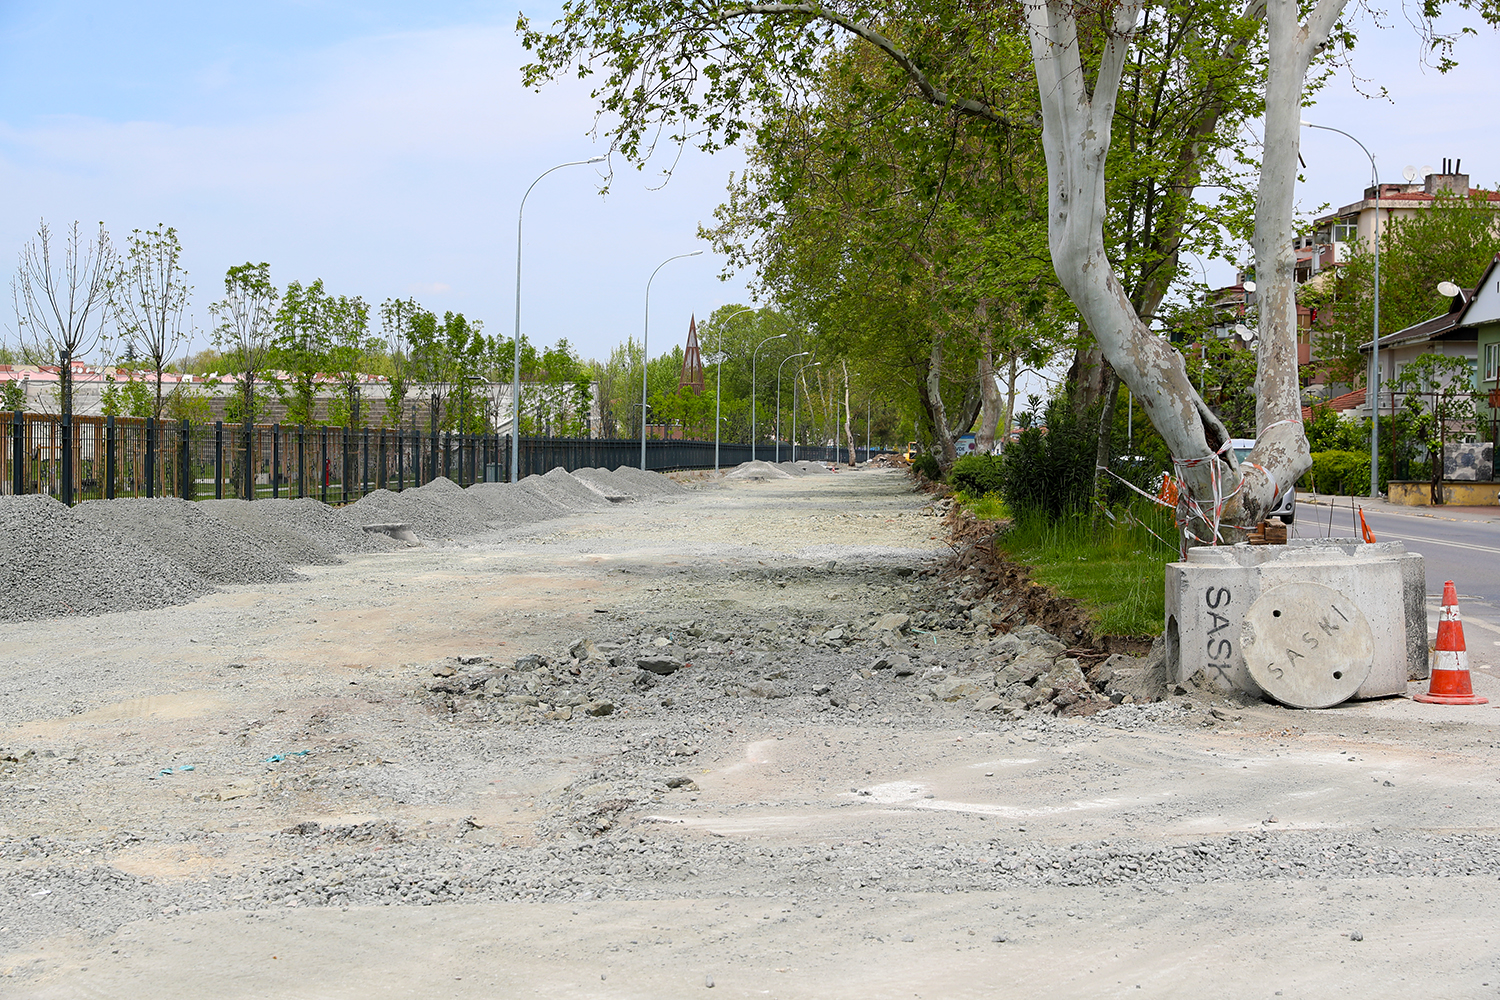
{"points": [[1418, 493]]}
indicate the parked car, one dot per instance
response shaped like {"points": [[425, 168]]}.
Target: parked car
{"points": [[1286, 503]]}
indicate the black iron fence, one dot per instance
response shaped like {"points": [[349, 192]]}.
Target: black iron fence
{"points": [[89, 458]]}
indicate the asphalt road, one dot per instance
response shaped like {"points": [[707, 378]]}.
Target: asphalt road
{"points": [[1458, 545]]}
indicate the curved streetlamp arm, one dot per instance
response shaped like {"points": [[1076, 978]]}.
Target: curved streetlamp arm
{"points": [[753, 355], [719, 380], [515, 379], [1372, 390], [645, 354]]}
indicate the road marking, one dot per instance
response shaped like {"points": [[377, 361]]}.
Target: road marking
{"points": [[1481, 623], [1438, 541]]}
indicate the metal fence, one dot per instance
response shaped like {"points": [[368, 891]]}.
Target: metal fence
{"points": [[88, 458]]}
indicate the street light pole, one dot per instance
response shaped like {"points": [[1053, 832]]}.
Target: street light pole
{"points": [[1373, 390], [795, 376], [645, 355], [719, 380], [515, 379], [778, 398], [753, 354]]}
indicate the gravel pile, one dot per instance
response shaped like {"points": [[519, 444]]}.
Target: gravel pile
{"points": [[437, 511], [567, 490], [184, 532], [275, 529], [757, 470], [134, 553], [53, 563], [605, 482], [506, 504], [646, 484], [314, 520]]}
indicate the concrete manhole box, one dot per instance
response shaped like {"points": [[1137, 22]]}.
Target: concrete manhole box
{"points": [[1210, 595]]}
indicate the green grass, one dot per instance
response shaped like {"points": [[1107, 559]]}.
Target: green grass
{"points": [[1115, 568]]}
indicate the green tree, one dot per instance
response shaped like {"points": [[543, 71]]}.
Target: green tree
{"points": [[244, 329], [149, 297], [130, 398], [12, 396], [302, 348], [448, 359], [397, 320], [351, 348]]}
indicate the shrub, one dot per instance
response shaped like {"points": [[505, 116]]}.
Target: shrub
{"points": [[1051, 470], [1343, 473], [976, 475], [928, 466]]}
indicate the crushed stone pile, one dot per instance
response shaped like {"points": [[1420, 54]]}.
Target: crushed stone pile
{"points": [[437, 511], [648, 483], [569, 490], [605, 482], [320, 525], [54, 563], [184, 532], [133, 554], [507, 504], [757, 470]]}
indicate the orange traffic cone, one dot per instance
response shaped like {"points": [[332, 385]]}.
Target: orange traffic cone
{"points": [[1365, 528], [1450, 683]]}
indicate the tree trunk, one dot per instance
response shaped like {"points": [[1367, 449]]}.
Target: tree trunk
{"points": [[1106, 426], [942, 441], [1281, 448], [1088, 376], [848, 429], [1010, 399], [989, 389], [1221, 499]]}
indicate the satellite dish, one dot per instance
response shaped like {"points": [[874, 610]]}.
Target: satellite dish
{"points": [[1410, 173], [1448, 288], [1244, 332], [1426, 170], [1249, 286]]}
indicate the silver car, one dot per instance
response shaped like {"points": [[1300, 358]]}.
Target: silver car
{"points": [[1286, 503]]}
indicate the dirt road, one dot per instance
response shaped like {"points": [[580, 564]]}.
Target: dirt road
{"points": [[347, 786]]}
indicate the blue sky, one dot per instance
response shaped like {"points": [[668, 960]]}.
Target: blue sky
{"points": [[384, 147]]}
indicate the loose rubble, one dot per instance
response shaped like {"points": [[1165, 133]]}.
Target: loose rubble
{"points": [[741, 712]]}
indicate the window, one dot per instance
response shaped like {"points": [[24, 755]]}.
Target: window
{"points": [[1343, 232], [1491, 362]]}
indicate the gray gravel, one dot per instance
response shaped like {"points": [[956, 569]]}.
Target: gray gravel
{"points": [[437, 511], [170, 529], [54, 563], [135, 553], [304, 530]]}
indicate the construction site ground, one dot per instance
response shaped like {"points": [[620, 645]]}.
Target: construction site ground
{"points": [[278, 791]]}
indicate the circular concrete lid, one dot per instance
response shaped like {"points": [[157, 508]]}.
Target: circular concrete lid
{"points": [[1307, 645]]}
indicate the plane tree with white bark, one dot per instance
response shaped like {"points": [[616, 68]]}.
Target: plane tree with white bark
{"points": [[699, 71]]}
